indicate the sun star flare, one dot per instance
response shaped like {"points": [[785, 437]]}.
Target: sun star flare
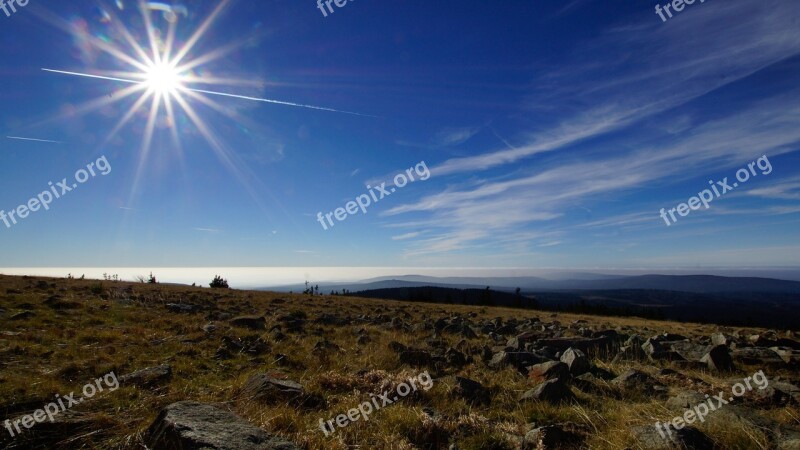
{"points": [[163, 78]]}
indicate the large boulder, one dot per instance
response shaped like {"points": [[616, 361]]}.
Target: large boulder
{"points": [[198, 426]]}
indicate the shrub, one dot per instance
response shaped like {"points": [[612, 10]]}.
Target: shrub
{"points": [[219, 282]]}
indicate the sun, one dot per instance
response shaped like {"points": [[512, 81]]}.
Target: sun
{"points": [[163, 78], [163, 75]]}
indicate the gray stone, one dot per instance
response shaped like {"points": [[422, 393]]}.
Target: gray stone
{"points": [[470, 390], [669, 438], [198, 426], [552, 391], [685, 400], [718, 359], [577, 361], [550, 437], [251, 322], [148, 377], [548, 371], [267, 389]]}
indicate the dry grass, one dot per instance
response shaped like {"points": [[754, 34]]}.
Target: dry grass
{"points": [[82, 329]]}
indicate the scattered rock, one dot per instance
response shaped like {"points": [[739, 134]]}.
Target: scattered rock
{"points": [[718, 359], [778, 393], [191, 425], [691, 351], [455, 358], [182, 308], [634, 380], [759, 357], [553, 391], [251, 322], [548, 371], [685, 400], [266, 388], [22, 315], [148, 377], [687, 438], [325, 347], [470, 390], [577, 361], [415, 357], [519, 360], [551, 437]]}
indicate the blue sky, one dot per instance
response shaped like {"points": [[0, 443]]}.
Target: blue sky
{"points": [[554, 133]]}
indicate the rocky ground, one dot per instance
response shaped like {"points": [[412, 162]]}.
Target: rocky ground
{"points": [[227, 369]]}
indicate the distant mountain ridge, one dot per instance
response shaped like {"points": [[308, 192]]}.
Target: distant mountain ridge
{"points": [[678, 283], [765, 309]]}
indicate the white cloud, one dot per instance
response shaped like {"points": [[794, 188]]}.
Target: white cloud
{"points": [[406, 236], [652, 71]]}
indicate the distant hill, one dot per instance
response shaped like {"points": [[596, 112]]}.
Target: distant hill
{"points": [[705, 284], [690, 283], [767, 309]]}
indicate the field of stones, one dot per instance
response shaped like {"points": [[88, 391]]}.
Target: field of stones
{"points": [[202, 368]]}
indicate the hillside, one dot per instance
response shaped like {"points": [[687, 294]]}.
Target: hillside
{"points": [[203, 368]]}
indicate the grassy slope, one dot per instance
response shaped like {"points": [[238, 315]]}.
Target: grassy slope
{"points": [[99, 327]]}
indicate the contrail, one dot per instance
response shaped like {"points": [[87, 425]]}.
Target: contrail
{"points": [[32, 139], [93, 76], [277, 102], [202, 91]]}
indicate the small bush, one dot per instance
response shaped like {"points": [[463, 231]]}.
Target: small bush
{"points": [[219, 282]]}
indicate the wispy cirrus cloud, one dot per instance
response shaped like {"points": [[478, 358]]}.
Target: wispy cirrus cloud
{"points": [[786, 190], [653, 70], [406, 236], [447, 137]]}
